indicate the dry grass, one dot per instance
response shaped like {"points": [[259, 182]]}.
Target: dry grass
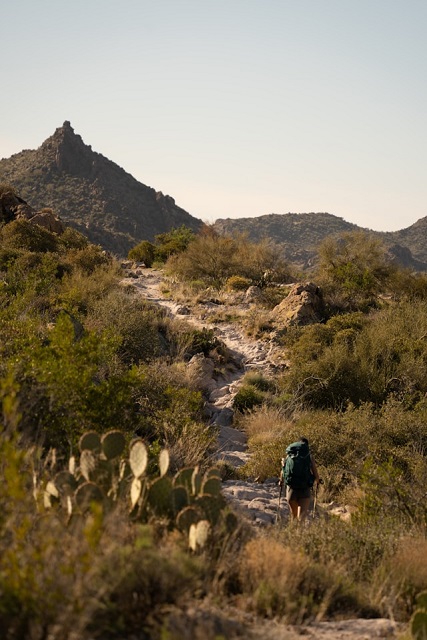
{"points": [[264, 425]]}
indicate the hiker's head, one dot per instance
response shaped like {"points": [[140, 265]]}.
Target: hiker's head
{"points": [[304, 440]]}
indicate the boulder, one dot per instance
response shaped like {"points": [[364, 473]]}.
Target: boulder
{"points": [[49, 221], [304, 305], [200, 370]]}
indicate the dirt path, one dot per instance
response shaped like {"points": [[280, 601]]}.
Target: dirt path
{"points": [[257, 502]]}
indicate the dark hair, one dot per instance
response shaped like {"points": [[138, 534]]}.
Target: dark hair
{"points": [[303, 439]]}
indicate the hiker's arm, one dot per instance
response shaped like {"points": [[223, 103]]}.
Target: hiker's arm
{"points": [[314, 470]]}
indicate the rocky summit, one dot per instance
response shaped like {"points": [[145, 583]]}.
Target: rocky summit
{"points": [[91, 193]]}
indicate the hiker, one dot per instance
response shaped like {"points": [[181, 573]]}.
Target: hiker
{"points": [[299, 473]]}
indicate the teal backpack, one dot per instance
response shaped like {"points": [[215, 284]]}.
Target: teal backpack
{"points": [[297, 472]]}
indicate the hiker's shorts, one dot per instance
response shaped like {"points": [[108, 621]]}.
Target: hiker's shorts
{"points": [[297, 494]]}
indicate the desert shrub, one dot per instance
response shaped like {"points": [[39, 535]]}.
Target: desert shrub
{"points": [[215, 258], [185, 343], [247, 398], [335, 364], [137, 323], [356, 264], [357, 554], [144, 252], [404, 573], [172, 242], [237, 283], [88, 259], [68, 385], [80, 290], [209, 257], [282, 581], [259, 380], [72, 239], [21, 234]]}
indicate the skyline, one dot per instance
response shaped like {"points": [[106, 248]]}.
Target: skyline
{"points": [[236, 109]]}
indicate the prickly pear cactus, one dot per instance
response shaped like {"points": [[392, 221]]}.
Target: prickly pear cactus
{"points": [[418, 622], [211, 506], [183, 478], [187, 517], [159, 497], [419, 625], [196, 482], [164, 461], [113, 444], [90, 441], [180, 499], [138, 458], [87, 464], [87, 493], [65, 482], [198, 535], [212, 486]]}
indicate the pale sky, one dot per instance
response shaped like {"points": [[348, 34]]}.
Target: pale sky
{"points": [[235, 108]]}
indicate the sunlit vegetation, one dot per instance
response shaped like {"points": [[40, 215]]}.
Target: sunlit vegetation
{"points": [[82, 354]]}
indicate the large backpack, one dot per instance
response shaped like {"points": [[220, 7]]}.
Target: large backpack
{"points": [[297, 472]]}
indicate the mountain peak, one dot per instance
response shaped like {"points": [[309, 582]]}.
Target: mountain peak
{"points": [[66, 152]]}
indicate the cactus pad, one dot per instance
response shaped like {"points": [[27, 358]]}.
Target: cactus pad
{"points": [[211, 506], [160, 496], [87, 493], [213, 472], [198, 535], [87, 464], [196, 482], [113, 444], [419, 625], [183, 478], [164, 462], [90, 441], [65, 482], [212, 486], [421, 600], [180, 498], [187, 517], [138, 458], [135, 491]]}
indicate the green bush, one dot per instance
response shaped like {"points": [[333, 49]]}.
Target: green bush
{"points": [[144, 252], [247, 398], [21, 234], [237, 283]]}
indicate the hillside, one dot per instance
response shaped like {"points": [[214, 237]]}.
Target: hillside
{"points": [[301, 233], [91, 193]]}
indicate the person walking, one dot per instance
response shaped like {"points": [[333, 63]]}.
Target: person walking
{"points": [[299, 474]]}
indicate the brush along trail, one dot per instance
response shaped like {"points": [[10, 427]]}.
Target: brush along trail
{"points": [[257, 501]]}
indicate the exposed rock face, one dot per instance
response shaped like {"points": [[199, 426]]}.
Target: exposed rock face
{"points": [[303, 305], [12, 207], [91, 193]]}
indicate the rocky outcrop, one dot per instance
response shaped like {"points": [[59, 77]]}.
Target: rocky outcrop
{"points": [[12, 207], [303, 305]]}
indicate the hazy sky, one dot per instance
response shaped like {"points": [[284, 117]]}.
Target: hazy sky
{"points": [[233, 107]]}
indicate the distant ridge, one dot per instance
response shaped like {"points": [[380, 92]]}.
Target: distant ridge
{"points": [[94, 195], [91, 193], [299, 235]]}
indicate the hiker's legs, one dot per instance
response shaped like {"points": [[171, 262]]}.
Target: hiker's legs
{"points": [[299, 502], [293, 505], [303, 508]]}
